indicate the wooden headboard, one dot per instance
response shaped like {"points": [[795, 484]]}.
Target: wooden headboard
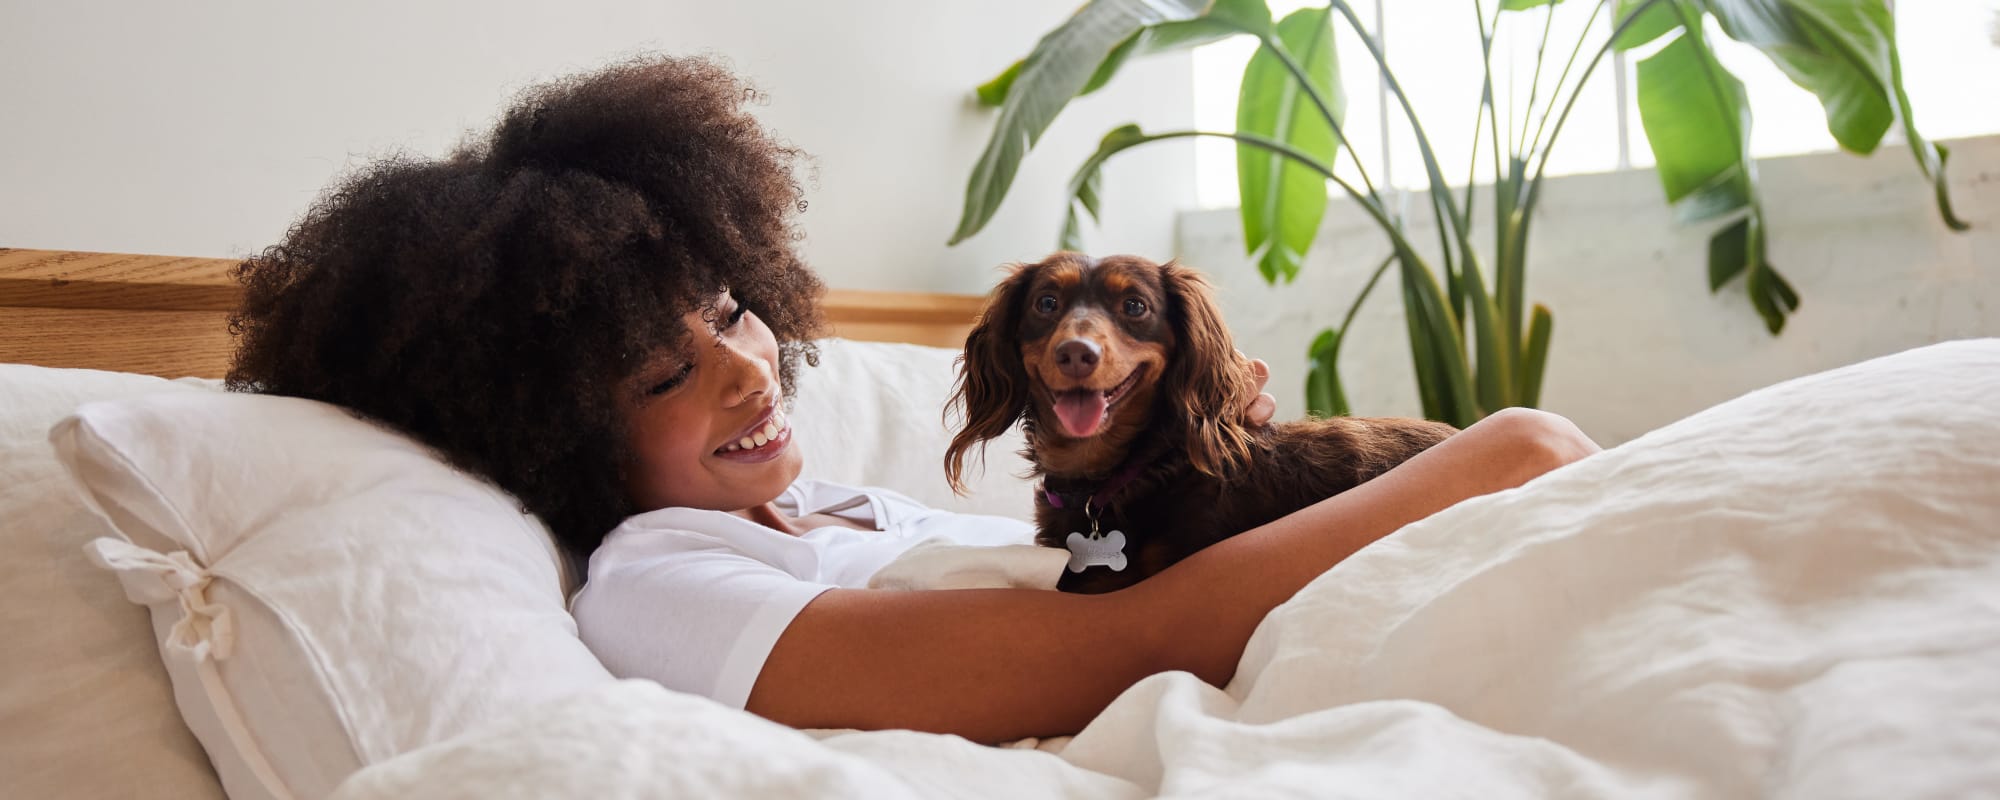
{"points": [[167, 316]]}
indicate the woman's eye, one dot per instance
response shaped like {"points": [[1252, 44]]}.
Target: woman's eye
{"points": [[737, 315], [668, 385], [1135, 307], [1046, 304]]}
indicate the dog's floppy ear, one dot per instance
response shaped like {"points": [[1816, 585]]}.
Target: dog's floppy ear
{"points": [[1208, 384], [991, 392]]}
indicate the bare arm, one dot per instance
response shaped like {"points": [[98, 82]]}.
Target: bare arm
{"points": [[1001, 664]]}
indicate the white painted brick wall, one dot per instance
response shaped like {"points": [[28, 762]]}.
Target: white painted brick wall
{"points": [[1639, 341]]}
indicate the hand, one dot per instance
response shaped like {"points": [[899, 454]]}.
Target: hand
{"points": [[1264, 407]]}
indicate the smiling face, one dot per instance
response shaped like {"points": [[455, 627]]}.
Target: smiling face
{"points": [[1088, 353], [1095, 339], [705, 426]]}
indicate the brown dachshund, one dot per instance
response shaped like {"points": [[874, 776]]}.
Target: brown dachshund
{"points": [[1132, 398]]}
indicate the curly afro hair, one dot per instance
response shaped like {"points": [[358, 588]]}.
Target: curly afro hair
{"points": [[489, 303]]}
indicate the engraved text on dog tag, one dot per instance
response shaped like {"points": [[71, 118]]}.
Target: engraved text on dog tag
{"points": [[1103, 551]]}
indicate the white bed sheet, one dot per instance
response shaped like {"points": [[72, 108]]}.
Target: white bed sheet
{"points": [[1795, 594]]}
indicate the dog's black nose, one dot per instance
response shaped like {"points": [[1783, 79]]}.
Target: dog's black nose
{"points": [[1077, 358]]}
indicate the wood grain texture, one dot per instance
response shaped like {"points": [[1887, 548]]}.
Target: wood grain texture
{"points": [[170, 344], [168, 315], [62, 279], [938, 320]]}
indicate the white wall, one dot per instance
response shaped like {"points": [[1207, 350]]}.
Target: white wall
{"points": [[1639, 341], [203, 127]]}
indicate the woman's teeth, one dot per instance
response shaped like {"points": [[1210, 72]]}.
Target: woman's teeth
{"points": [[760, 437]]}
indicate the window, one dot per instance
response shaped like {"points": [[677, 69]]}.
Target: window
{"points": [[1948, 48]]}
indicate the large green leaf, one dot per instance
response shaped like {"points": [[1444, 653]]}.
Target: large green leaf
{"points": [[1510, 256], [1084, 187], [1324, 395], [1836, 49], [1283, 201], [1061, 64], [1698, 123], [1249, 16], [1535, 355], [1653, 22], [1494, 380], [1844, 52], [1697, 120], [1161, 38], [1848, 57], [1727, 193], [1424, 359], [1931, 156], [1739, 250], [1437, 346], [994, 92], [1769, 292], [1088, 180]]}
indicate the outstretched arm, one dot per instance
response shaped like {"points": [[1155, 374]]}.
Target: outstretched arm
{"points": [[999, 664]]}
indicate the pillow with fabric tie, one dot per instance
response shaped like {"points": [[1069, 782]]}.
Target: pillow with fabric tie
{"points": [[326, 593]]}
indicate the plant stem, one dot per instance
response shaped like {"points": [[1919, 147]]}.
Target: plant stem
{"points": [[1441, 202], [1486, 35], [1541, 168], [1444, 241], [1417, 275], [1425, 301], [1299, 73], [1564, 77], [1535, 85], [1506, 192], [1472, 164], [1374, 209], [1347, 320]]}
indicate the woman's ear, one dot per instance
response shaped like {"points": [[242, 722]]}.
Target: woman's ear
{"points": [[991, 392], [1209, 384]]}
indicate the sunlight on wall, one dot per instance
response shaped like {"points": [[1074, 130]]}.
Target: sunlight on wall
{"points": [[1949, 59]]}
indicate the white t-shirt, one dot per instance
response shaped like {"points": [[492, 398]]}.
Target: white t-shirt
{"points": [[696, 599]]}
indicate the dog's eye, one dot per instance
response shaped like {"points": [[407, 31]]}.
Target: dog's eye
{"points": [[1046, 304], [1135, 307]]}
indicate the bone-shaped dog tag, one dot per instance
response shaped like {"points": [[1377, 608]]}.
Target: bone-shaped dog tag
{"points": [[1105, 551]]}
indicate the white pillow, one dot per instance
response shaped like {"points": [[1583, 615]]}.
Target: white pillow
{"points": [[85, 706], [326, 594], [376, 599], [872, 414]]}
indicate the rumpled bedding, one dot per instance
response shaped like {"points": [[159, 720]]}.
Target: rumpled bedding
{"points": [[1793, 594]]}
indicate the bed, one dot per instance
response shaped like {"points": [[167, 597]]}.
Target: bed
{"points": [[1796, 593]]}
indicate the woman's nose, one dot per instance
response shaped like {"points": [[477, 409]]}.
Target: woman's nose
{"points": [[750, 376]]}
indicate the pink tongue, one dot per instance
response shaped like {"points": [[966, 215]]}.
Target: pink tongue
{"points": [[1080, 412]]}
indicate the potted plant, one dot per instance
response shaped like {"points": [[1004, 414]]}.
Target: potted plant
{"points": [[1289, 136]]}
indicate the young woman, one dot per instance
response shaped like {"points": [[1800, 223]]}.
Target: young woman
{"points": [[599, 307]]}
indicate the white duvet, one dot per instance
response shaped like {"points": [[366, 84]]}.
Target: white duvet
{"points": [[1795, 594]]}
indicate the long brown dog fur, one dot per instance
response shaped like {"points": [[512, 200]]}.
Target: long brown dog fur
{"points": [[1208, 473]]}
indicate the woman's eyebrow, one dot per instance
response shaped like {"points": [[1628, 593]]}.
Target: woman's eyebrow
{"points": [[663, 359]]}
